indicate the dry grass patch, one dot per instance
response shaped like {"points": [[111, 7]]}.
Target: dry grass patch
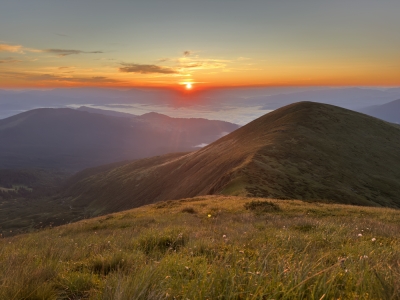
{"points": [[223, 251]]}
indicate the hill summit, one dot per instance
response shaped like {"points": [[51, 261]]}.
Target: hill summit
{"points": [[305, 150]]}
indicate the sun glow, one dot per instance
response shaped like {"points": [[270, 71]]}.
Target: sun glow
{"points": [[188, 86]]}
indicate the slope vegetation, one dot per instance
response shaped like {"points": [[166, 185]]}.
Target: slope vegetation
{"points": [[302, 151], [211, 247]]}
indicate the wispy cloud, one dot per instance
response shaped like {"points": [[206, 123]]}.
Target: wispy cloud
{"points": [[146, 69], [190, 61], [11, 48], [163, 59], [60, 34], [193, 65], [54, 77], [9, 60], [65, 52], [94, 79], [16, 49], [59, 52], [197, 62]]}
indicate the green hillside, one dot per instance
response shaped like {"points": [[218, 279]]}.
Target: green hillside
{"points": [[211, 247], [305, 151]]}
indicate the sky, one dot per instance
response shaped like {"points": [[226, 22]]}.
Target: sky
{"points": [[193, 45]]}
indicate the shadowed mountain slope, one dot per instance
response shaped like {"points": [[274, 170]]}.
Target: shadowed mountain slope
{"points": [[72, 140], [302, 151]]}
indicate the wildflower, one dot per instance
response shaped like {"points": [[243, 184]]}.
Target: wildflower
{"points": [[209, 215], [373, 239], [359, 234], [224, 236]]}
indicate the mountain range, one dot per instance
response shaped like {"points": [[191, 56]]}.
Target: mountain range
{"points": [[240, 105], [389, 111], [71, 140], [308, 151]]}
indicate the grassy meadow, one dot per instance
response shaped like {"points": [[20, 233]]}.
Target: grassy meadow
{"points": [[211, 247]]}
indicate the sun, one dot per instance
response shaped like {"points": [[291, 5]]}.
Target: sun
{"points": [[188, 86]]}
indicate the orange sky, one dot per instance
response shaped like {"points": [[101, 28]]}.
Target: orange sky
{"points": [[207, 44]]}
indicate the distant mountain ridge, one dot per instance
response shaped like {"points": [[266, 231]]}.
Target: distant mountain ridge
{"points": [[13, 102], [306, 150], [105, 112], [389, 111], [71, 140]]}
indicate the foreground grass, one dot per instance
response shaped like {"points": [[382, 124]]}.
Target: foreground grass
{"points": [[211, 248]]}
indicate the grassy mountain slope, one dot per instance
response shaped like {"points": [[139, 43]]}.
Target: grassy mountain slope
{"points": [[211, 248], [32, 179], [26, 202], [302, 151], [72, 140]]}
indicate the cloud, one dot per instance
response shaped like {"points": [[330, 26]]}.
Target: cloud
{"points": [[202, 63], [193, 65], [187, 53], [65, 52], [60, 34], [16, 49], [58, 52], [94, 79], [146, 69], [9, 60], [53, 77], [11, 48], [163, 59]]}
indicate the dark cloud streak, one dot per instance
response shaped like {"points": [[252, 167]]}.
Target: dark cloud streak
{"points": [[146, 69], [65, 52]]}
